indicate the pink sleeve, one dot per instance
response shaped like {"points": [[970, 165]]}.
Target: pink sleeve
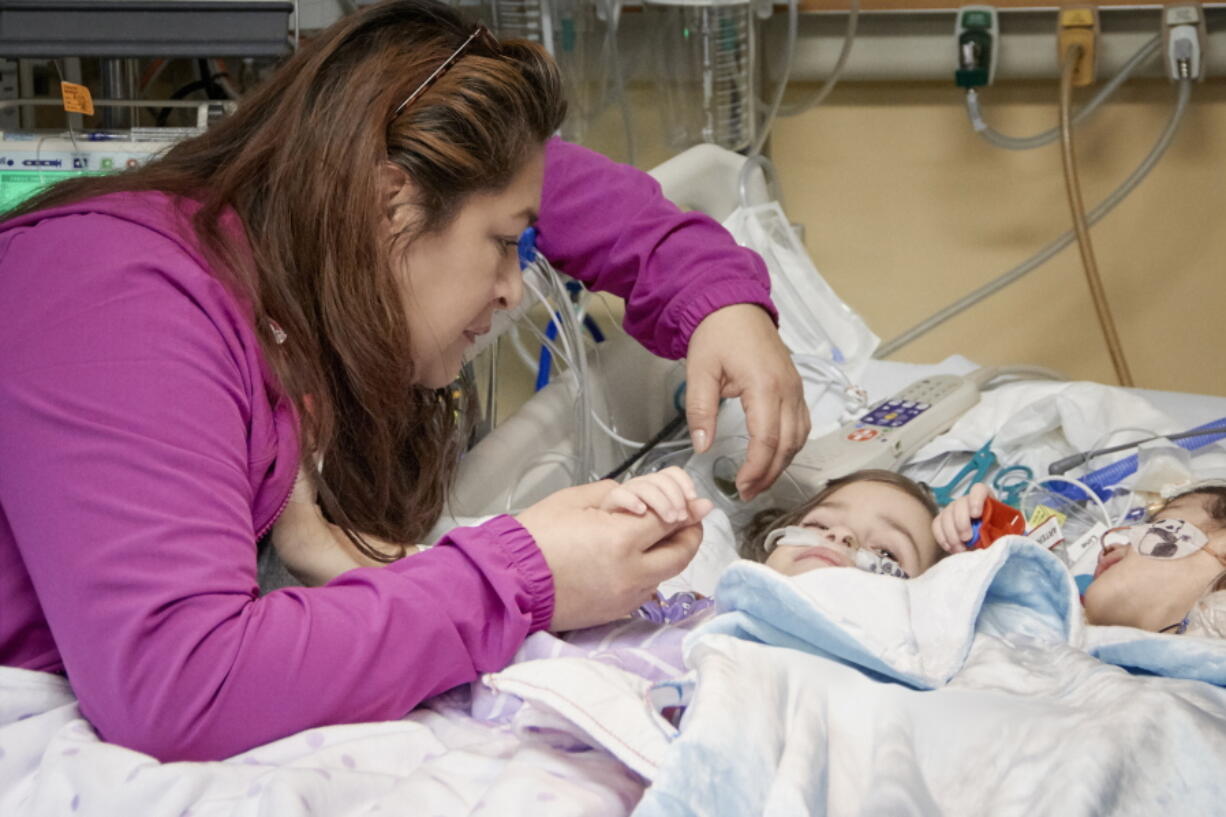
{"points": [[609, 226], [126, 480]]}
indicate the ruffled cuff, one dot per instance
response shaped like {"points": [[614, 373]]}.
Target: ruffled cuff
{"points": [[724, 294], [529, 563]]}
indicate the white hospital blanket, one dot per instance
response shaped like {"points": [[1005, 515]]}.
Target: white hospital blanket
{"points": [[1035, 423], [437, 762], [1003, 708]]}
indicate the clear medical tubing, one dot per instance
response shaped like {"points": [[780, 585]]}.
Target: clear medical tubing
{"points": [[789, 52], [1100, 481], [573, 355], [777, 107], [614, 60], [1044, 255], [769, 174], [1048, 136], [849, 38]]}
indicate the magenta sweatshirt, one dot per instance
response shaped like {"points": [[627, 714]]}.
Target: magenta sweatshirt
{"points": [[144, 451]]}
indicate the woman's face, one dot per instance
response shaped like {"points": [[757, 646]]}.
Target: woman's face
{"points": [[454, 279], [872, 515], [1141, 591]]}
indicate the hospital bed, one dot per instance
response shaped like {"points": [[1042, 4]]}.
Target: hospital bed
{"points": [[636, 392], [1030, 714]]}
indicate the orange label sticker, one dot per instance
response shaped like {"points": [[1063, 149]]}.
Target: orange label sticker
{"points": [[77, 98], [862, 434]]}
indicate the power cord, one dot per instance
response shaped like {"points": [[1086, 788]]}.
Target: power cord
{"points": [[663, 434]]}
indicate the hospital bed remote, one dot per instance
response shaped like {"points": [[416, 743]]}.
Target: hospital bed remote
{"points": [[889, 432]]}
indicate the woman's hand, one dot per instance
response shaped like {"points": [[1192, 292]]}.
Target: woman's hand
{"points": [[952, 526], [736, 352], [605, 564]]}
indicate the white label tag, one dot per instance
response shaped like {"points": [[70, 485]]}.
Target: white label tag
{"points": [[1083, 554], [1182, 15], [1048, 534]]}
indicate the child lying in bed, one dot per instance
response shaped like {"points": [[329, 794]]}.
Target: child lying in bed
{"points": [[1167, 575], [876, 520]]}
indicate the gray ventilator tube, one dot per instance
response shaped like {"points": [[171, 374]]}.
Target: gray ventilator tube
{"points": [[1047, 253], [836, 73], [614, 12], [789, 52], [1048, 136], [777, 108]]}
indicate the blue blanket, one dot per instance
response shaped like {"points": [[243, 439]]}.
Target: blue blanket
{"points": [[974, 689]]}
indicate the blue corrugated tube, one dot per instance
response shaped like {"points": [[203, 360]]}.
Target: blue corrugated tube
{"points": [[1102, 480]]}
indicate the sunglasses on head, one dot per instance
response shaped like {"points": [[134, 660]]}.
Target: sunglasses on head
{"points": [[480, 35]]}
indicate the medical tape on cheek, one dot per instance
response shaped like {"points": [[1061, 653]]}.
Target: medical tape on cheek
{"points": [[1171, 539], [866, 560], [1164, 539], [793, 536], [873, 562]]}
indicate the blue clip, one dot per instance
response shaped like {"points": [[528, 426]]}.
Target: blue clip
{"points": [[526, 248], [975, 526]]}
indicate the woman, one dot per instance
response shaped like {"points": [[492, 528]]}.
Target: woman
{"points": [[299, 283]]}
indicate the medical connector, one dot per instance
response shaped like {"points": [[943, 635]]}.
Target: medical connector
{"points": [[1079, 27], [976, 33], [1184, 46]]}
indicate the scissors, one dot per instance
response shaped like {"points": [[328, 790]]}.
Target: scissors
{"points": [[981, 462], [1008, 483]]}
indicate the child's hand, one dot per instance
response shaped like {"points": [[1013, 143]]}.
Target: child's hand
{"points": [[952, 526], [668, 493]]}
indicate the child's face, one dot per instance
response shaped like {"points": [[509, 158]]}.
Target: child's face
{"points": [[1133, 590], [871, 515]]}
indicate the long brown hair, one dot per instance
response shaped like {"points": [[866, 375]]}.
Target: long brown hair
{"points": [[753, 546], [298, 164]]}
